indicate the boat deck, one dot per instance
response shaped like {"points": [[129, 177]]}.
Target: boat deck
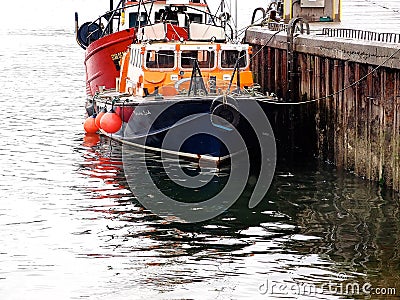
{"points": [[108, 97]]}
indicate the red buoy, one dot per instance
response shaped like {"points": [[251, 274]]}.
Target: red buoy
{"points": [[111, 122], [99, 116], [90, 124]]}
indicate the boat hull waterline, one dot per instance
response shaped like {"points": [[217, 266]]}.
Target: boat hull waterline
{"points": [[198, 128]]}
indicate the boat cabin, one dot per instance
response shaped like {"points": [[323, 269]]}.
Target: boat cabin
{"points": [[167, 68]]}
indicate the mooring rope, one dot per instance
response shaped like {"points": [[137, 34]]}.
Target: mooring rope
{"points": [[337, 92], [265, 45], [320, 98]]}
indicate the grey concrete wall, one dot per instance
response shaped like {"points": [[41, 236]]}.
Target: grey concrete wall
{"points": [[361, 51]]}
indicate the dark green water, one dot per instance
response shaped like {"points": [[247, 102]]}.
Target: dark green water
{"points": [[323, 233], [71, 228]]}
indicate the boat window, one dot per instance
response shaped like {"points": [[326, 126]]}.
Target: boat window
{"points": [[229, 58], [158, 15], [134, 21], [162, 59], [206, 58], [197, 18]]}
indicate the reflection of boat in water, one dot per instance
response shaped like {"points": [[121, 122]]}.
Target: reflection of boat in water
{"points": [[183, 87], [314, 220], [115, 185], [103, 164]]}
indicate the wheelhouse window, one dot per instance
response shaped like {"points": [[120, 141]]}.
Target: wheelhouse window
{"points": [[197, 18], [162, 59], [134, 20], [206, 58], [230, 57]]}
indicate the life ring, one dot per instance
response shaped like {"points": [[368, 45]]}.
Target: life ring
{"points": [[88, 33], [222, 100], [178, 84], [227, 112]]}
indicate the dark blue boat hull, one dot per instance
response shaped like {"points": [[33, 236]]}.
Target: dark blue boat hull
{"points": [[192, 127], [151, 124]]}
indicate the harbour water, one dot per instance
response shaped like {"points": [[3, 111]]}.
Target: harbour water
{"points": [[71, 228]]}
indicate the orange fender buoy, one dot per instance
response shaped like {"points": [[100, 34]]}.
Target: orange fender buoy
{"points": [[99, 116], [111, 122], [90, 124]]}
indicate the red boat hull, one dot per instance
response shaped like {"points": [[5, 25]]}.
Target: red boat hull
{"points": [[102, 60]]}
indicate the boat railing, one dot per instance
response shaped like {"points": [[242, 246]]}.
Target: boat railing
{"points": [[110, 17], [115, 14], [362, 34], [104, 24], [212, 87], [195, 86]]}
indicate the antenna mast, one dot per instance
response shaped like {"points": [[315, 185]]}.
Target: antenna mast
{"points": [[236, 20]]}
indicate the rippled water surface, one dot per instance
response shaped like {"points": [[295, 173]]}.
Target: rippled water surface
{"points": [[72, 229]]}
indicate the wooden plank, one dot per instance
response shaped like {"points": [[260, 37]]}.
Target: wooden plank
{"points": [[338, 86], [369, 99], [256, 65], [284, 78], [317, 77], [382, 127], [350, 115], [364, 109], [277, 73], [357, 103], [310, 78], [345, 104], [330, 82], [396, 133], [388, 108], [303, 79], [265, 61], [269, 78]]}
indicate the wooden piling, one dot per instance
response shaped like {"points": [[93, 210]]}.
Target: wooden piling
{"points": [[357, 119]]}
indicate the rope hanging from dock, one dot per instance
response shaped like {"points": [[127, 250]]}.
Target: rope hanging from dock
{"points": [[324, 97], [337, 92]]}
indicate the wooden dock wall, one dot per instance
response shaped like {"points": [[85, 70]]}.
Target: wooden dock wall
{"points": [[357, 126]]}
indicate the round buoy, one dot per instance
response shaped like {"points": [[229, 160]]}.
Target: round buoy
{"points": [[226, 112], [99, 116], [111, 122], [90, 124]]}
